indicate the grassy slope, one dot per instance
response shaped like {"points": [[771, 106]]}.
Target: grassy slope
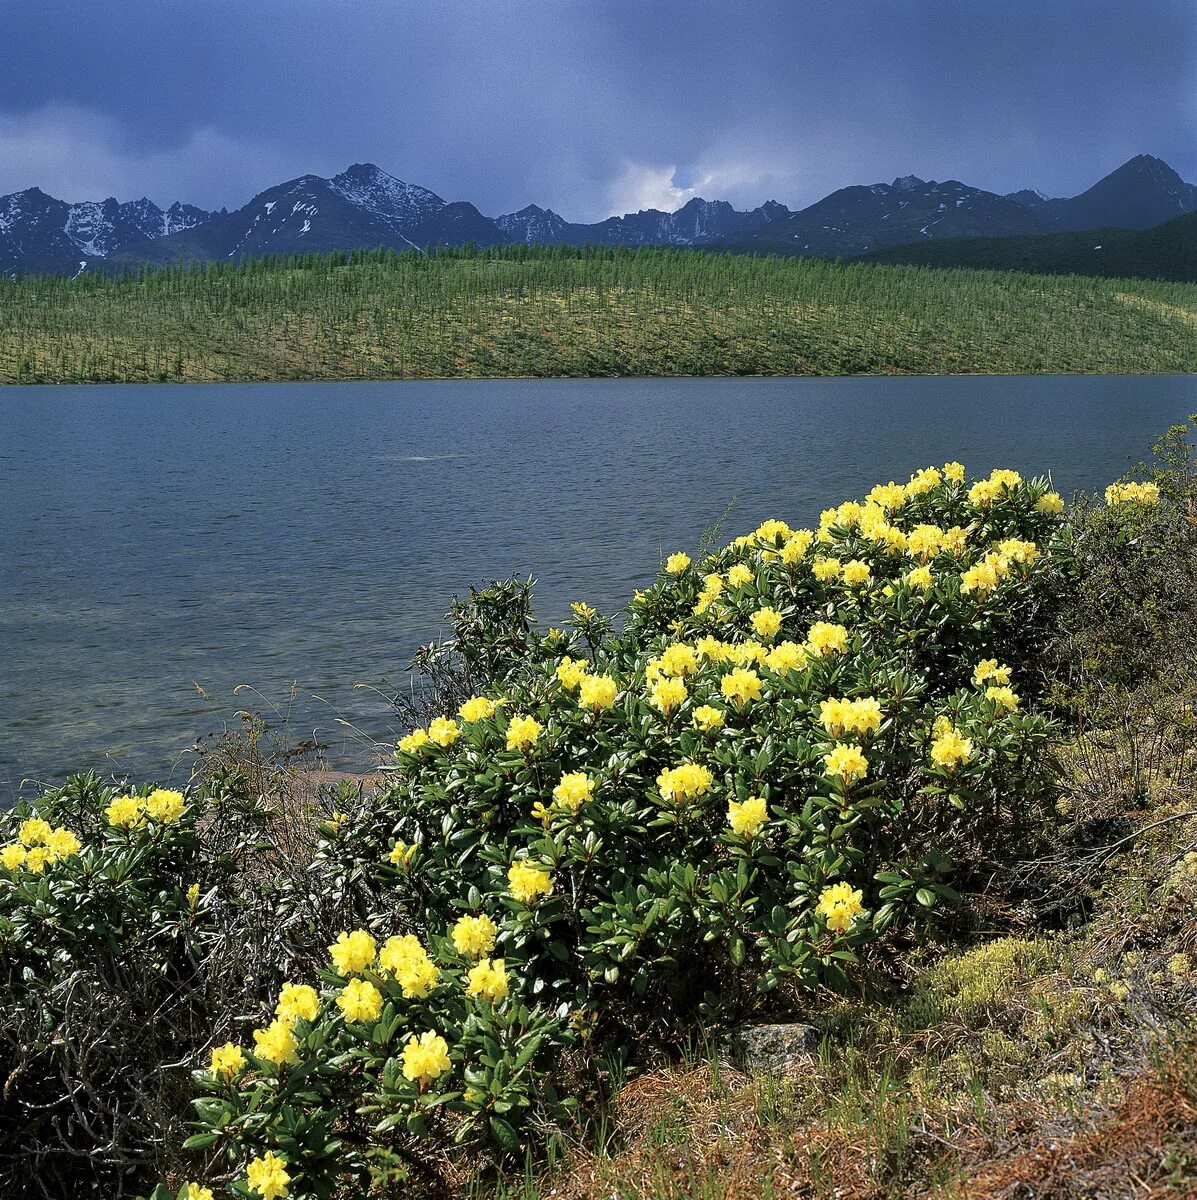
{"points": [[1168, 251], [545, 313]]}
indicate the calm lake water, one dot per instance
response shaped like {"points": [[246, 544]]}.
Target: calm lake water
{"points": [[159, 540]]}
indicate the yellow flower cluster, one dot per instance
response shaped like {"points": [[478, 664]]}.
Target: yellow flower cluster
{"points": [[227, 1060], [402, 854], [360, 1001], [527, 883], [277, 1043], [707, 718], [1132, 493], [297, 1002], [667, 693], [352, 952], [1003, 697], [990, 669], [861, 716], [575, 788], [39, 845], [839, 905], [747, 817], [268, 1176], [487, 979], [474, 936], [523, 732], [162, 805], [675, 564], [767, 622], [826, 637], [685, 782], [846, 762], [741, 685], [597, 692], [443, 731], [476, 708], [950, 748], [408, 962], [425, 1058]]}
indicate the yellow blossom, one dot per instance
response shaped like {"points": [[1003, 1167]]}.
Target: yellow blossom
{"points": [[857, 573], [268, 1176], [785, 657], [576, 786], [739, 575], [425, 1058], [707, 718], [476, 708], [12, 856], [747, 818], [846, 762], [981, 577], [863, 716], [408, 961], [165, 805], [678, 659], [954, 472], [352, 952], [474, 936], [667, 694], [62, 843], [570, 673], [825, 569], [988, 668], [402, 854], [522, 733], [414, 742], [360, 1001], [1051, 503], [444, 731], [766, 622], [527, 883], [125, 812], [597, 691], [839, 905], [951, 748], [824, 637], [195, 1191], [37, 859], [1003, 697], [35, 831], [741, 685], [920, 577], [687, 781], [582, 611], [227, 1060], [276, 1043], [675, 564], [488, 979], [297, 1001]]}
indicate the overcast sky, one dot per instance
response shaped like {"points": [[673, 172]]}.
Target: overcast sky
{"points": [[590, 107]]}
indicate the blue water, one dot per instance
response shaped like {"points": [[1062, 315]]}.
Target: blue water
{"points": [[159, 540]]}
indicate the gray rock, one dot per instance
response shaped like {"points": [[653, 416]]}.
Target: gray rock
{"points": [[770, 1049]]}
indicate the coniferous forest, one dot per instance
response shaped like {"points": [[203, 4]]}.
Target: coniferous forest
{"points": [[560, 311]]}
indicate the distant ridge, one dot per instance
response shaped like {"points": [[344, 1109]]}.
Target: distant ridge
{"points": [[1169, 251], [365, 207]]}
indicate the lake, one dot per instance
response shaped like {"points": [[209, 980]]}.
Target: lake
{"points": [[156, 541]]}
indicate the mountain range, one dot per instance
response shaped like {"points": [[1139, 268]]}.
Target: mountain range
{"points": [[365, 207]]}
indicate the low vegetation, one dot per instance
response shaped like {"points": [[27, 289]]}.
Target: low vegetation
{"points": [[894, 777], [544, 311]]}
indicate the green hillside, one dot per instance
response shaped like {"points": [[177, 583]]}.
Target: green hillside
{"points": [[535, 311], [1168, 251]]}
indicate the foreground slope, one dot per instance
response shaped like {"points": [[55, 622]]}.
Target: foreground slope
{"points": [[555, 312]]}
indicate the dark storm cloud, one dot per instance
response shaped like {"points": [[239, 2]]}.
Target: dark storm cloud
{"points": [[590, 106]]}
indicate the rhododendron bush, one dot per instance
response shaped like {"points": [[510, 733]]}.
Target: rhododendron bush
{"points": [[769, 767], [788, 750]]}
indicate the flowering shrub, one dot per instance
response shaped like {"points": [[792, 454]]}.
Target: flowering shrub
{"points": [[782, 757]]}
